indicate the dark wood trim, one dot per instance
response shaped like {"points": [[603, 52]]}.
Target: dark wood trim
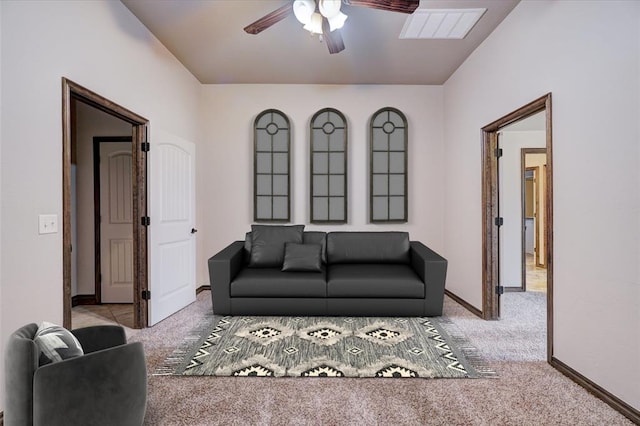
{"points": [[73, 91], [140, 248], [531, 108], [596, 390], [548, 220], [84, 299], [203, 288], [97, 140], [490, 252], [1, 418], [490, 240], [67, 130], [468, 306]]}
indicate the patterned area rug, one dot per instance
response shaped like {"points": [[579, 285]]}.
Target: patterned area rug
{"points": [[326, 347]]}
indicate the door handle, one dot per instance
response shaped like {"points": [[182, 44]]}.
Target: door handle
{"points": [[194, 230]]}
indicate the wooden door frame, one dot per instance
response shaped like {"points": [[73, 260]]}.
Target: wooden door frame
{"points": [[490, 252], [523, 167], [536, 218], [73, 91], [97, 140]]}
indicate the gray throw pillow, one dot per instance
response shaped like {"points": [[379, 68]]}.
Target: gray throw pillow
{"points": [[56, 343], [302, 258], [267, 244]]}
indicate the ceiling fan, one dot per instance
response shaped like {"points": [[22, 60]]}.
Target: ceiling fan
{"points": [[323, 17]]}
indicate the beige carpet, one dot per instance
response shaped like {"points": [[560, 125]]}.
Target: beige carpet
{"points": [[528, 391]]}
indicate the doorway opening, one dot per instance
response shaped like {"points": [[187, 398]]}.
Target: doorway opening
{"points": [[534, 247], [73, 95], [493, 222]]}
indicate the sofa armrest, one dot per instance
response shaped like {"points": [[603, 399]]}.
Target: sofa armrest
{"points": [[223, 268], [100, 337], [107, 387], [432, 270]]}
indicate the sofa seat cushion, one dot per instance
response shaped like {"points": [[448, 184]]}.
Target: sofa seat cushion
{"points": [[272, 282], [370, 280]]}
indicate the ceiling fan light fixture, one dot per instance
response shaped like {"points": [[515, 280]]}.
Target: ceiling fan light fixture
{"points": [[315, 24], [303, 10], [336, 22], [329, 8]]}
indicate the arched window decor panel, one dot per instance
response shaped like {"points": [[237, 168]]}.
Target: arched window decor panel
{"points": [[328, 178], [388, 166], [271, 165]]}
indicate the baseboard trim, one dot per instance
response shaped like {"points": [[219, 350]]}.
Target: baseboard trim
{"points": [[597, 391], [202, 288], [469, 307], [83, 299]]}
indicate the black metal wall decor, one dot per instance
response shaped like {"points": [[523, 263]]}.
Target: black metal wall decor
{"points": [[388, 167], [271, 166], [328, 171]]}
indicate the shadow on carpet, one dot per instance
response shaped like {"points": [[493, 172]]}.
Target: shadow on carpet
{"points": [[401, 347]]}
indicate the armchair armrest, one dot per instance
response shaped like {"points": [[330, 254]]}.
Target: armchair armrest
{"points": [[100, 337], [107, 387], [432, 270], [223, 268]]}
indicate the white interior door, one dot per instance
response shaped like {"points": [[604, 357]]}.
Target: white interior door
{"points": [[116, 224], [172, 244]]}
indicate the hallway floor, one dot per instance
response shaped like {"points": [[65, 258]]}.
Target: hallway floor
{"points": [[106, 314], [536, 276]]}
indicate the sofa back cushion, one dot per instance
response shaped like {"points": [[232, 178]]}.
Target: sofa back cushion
{"points": [[267, 244], [317, 237], [308, 237], [368, 247], [247, 247]]}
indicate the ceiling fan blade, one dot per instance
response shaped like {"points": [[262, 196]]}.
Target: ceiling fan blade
{"points": [[268, 20], [402, 6], [333, 39]]}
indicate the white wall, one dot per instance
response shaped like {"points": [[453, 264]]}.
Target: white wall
{"points": [[90, 122], [510, 186], [226, 156], [586, 54], [1, 305], [102, 46]]}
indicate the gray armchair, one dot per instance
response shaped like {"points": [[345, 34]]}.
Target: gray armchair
{"points": [[105, 386]]}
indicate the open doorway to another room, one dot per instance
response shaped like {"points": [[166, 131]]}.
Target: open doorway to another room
{"points": [[521, 189], [85, 115], [534, 271], [517, 199], [101, 218]]}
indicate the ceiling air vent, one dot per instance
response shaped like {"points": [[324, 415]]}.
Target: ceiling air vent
{"points": [[440, 23]]}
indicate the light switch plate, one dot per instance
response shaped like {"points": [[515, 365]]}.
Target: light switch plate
{"points": [[48, 223]]}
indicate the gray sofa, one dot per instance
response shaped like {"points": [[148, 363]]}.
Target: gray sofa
{"points": [[361, 274]]}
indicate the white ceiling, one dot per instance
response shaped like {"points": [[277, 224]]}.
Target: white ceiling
{"points": [[207, 37]]}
